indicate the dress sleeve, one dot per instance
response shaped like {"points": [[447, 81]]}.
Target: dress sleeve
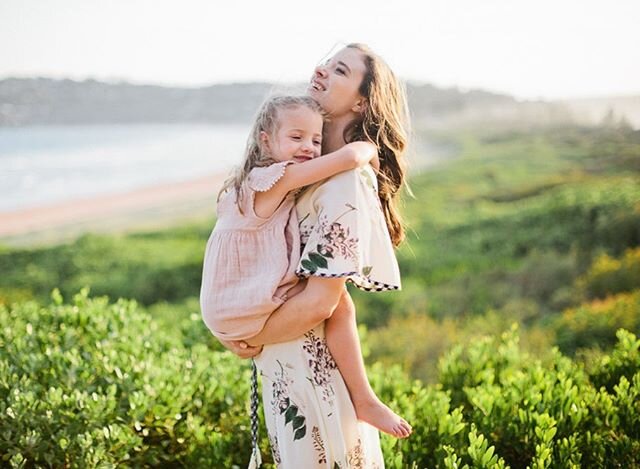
{"points": [[348, 236], [262, 179]]}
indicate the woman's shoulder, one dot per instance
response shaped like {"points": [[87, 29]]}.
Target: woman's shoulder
{"points": [[350, 179]]}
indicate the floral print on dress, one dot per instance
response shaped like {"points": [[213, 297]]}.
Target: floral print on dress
{"points": [[283, 403], [335, 240], [355, 457], [321, 363], [275, 449], [344, 233], [318, 444], [280, 390]]}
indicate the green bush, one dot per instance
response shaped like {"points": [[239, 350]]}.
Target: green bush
{"points": [[609, 275], [93, 384], [548, 414], [99, 384], [595, 324], [150, 268]]}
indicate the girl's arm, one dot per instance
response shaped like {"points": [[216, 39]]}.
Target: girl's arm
{"points": [[302, 312], [350, 156]]}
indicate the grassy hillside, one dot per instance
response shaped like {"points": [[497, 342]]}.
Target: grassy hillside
{"points": [[526, 244]]}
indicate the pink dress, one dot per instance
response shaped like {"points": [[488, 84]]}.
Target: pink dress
{"points": [[250, 262]]}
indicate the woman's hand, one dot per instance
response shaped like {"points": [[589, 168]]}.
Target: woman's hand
{"points": [[241, 348]]}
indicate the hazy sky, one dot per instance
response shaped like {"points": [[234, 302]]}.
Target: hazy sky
{"points": [[531, 49]]}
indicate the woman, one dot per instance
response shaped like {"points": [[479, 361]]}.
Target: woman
{"points": [[308, 411]]}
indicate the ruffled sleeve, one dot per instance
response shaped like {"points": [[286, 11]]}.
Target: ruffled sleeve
{"points": [[262, 179], [344, 232]]}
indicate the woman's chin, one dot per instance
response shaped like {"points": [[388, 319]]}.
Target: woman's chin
{"points": [[314, 93]]}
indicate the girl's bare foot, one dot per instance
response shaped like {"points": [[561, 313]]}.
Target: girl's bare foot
{"points": [[375, 413]]}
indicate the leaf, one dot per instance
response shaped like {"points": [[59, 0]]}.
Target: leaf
{"points": [[308, 265], [298, 422], [318, 260], [290, 413], [300, 433], [366, 270], [286, 406], [327, 254], [486, 458], [549, 434]]}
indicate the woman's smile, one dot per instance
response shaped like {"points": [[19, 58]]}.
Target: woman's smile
{"points": [[335, 84]]}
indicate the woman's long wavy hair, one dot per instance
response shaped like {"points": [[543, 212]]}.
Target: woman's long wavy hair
{"points": [[266, 120], [384, 122]]}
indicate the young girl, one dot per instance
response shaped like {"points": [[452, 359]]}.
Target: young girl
{"points": [[254, 249]]}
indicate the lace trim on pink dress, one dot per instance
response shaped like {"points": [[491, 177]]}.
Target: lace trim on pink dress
{"points": [[264, 178]]}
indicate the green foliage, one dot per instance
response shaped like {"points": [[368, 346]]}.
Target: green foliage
{"points": [[98, 384], [545, 414], [93, 384], [149, 268], [595, 323], [624, 361], [539, 228], [609, 275]]}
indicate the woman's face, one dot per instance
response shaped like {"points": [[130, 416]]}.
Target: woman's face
{"points": [[335, 83]]}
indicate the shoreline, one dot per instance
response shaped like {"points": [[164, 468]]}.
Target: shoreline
{"points": [[118, 211], [147, 208]]}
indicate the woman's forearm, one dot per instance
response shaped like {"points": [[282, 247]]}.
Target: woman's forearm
{"points": [[302, 312]]}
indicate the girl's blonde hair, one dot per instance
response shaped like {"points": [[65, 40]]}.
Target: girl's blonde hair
{"points": [[267, 120], [384, 122]]}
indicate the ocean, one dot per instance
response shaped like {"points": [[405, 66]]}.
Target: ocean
{"points": [[46, 164]]}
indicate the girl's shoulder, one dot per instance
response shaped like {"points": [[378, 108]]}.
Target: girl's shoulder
{"points": [[263, 178]]}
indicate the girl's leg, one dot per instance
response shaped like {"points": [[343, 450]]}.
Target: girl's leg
{"points": [[342, 339]]}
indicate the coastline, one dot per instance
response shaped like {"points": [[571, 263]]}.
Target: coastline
{"points": [[148, 207]]}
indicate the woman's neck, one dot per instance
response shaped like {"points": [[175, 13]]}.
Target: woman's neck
{"points": [[333, 133]]}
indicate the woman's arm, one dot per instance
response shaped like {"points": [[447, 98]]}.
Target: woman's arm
{"points": [[302, 312]]}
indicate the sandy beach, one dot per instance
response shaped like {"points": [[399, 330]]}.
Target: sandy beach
{"points": [[153, 207], [143, 208]]}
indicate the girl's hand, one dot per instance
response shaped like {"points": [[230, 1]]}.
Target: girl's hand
{"points": [[241, 348], [363, 153]]}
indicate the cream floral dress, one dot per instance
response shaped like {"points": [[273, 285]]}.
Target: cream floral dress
{"points": [[310, 419]]}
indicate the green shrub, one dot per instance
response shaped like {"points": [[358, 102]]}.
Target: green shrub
{"points": [[595, 324], [148, 268], [98, 384], [93, 384], [609, 275], [546, 414]]}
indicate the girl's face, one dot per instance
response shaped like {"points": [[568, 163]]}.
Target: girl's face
{"points": [[298, 137], [335, 83]]}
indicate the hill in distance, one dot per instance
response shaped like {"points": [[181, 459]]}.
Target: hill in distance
{"points": [[47, 101]]}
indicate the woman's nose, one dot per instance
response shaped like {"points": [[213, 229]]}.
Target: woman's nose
{"points": [[321, 71]]}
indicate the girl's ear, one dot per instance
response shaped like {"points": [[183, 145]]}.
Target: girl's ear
{"points": [[360, 106]]}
